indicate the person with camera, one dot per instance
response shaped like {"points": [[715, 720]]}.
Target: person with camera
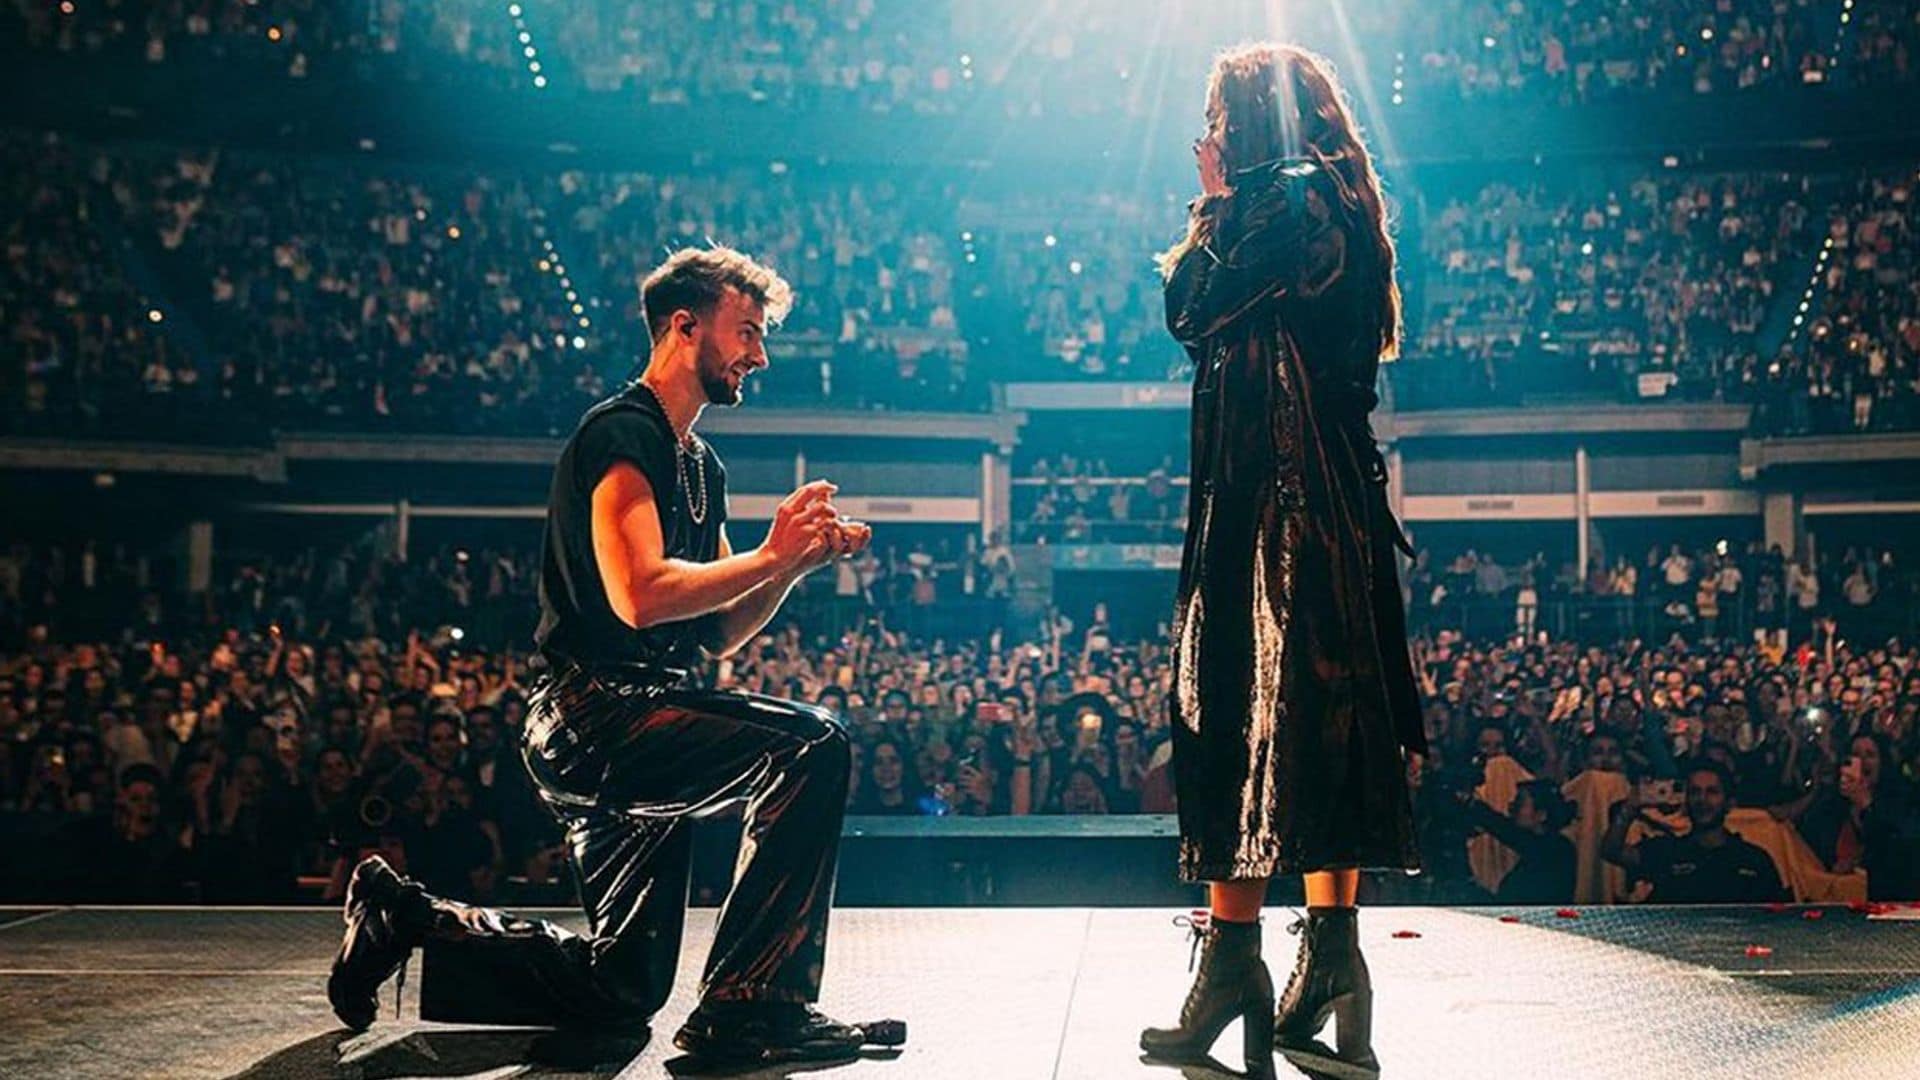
{"points": [[638, 582], [1860, 818], [1706, 864], [1544, 868]]}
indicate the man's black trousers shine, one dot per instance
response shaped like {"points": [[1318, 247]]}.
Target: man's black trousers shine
{"points": [[626, 761]]}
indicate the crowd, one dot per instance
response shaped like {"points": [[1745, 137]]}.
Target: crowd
{"points": [[1071, 59], [79, 337], [247, 746], [148, 283], [1726, 592], [1652, 284], [319, 292], [1854, 362], [1071, 499]]}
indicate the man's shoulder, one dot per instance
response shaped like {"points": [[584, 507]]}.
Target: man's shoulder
{"points": [[621, 421]]}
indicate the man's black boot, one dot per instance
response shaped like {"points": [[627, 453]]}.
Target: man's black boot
{"points": [[383, 925], [1232, 981], [1330, 979], [767, 1032]]}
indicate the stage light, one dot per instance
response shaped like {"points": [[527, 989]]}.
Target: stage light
{"points": [[578, 310], [526, 38], [1586, 248], [1706, 33], [1488, 41], [1051, 240], [584, 323], [530, 52], [455, 632], [533, 66], [967, 236], [544, 265], [154, 315], [579, 342], [571, 295], [453, 232], [540, 81], [419, 215], [513, 10], [1073, 267], [66, 7], [273, 33]]}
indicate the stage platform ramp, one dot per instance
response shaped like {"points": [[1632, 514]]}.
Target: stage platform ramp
{"points": [[1015, 993]]}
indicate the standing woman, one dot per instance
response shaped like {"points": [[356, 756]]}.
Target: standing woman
{"points": [[1294, 710]]}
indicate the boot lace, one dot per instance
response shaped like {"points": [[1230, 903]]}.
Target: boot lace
{"points": [[1195, 923], [1297, 927]]}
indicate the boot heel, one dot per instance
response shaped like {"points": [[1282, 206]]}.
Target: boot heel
{"points": [[1256, 1036], [1353, 1028]]}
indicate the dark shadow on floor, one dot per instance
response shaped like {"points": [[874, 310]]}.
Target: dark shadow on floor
{"points": [[382, 1055], [688, 1068]]}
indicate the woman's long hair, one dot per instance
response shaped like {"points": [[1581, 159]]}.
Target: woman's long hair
{"points": [[1275, 101]]}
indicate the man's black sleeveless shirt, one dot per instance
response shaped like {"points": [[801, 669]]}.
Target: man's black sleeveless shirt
{"points": [[576, 622]]}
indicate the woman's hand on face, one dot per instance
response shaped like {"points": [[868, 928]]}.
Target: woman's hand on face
{"points": [[1213, 174]]}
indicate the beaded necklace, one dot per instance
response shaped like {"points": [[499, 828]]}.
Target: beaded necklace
{"points": [[684, 449]]}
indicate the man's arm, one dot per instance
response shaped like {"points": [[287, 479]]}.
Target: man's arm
{"points": [[1613, 847], [645, 587], [726, 629]]}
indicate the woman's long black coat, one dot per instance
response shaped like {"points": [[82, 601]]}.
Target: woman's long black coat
{"points": [[1294, 699]]}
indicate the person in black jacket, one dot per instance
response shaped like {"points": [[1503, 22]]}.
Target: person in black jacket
{"points": [[1295, 708]]}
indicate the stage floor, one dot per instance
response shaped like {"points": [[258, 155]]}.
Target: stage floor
{"points": [[1015, 993]]}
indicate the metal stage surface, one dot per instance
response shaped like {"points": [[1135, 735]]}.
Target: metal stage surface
{"points": [[1014, 993]]}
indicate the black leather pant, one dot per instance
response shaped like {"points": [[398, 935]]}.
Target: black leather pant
{"points": [[625, 763]]}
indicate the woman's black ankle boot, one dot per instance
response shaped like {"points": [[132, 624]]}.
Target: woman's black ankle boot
{"points": [[1329, 979], [1232, 982]]}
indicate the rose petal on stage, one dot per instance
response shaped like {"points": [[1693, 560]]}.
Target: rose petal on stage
{"points": [[1567, 913], [1813, 913], [1509, 918], [1406, 933], [1759, 950]]}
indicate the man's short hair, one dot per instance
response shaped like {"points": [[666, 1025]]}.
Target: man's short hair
{"points": [[695, 279], [1707, 764]]}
